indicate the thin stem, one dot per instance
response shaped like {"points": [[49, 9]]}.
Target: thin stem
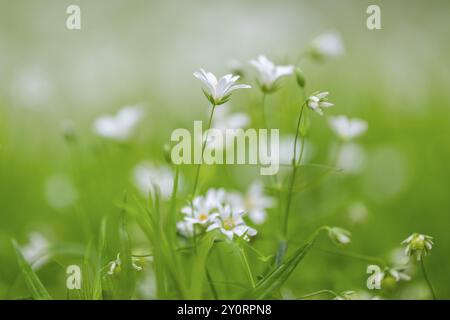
{"points": [[197, 175], [425, 275], [294, 172], [357, 256], [203, 150], [263, 111], [247, 267], [318, 293]]}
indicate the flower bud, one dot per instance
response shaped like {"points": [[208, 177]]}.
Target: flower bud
{"points": [[301, 81], [339, 236], [167, 150]]}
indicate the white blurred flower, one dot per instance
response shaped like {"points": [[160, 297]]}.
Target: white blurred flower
{"points": [[31, 87], [339, 236], [223, 121], [219, 91], [230, 223], [347, 129], [147, 285], [357, 212], [36, 251], [327, 45], [115, 266], [254, 202], [418, 245], [395, 273], [146, 176], [269, 73], [60, 191], [204, 209], [398, 257], [287, 150], [118, 127], [318, 101], [185, 228], [351, 158]]}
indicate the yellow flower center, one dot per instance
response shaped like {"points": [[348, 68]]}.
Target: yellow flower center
{"points": [[228, 224], [203, 216]]}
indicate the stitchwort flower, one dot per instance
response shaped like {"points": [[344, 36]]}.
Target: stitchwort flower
{"points": [[204, 209], [218, 91], [118, 127], [346, 128], [318, 101], [418, 245], [327, 45], [269, 73], [339, 236], [230, 223], [254, 202]]}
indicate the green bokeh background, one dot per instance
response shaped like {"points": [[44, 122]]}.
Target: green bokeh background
{"points": [[130, 52]]}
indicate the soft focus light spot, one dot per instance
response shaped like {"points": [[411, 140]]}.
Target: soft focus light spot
{"points": [[386, 174], [60, 192]]}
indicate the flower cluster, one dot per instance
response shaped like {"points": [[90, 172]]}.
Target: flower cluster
{"points": [[225, 211]]}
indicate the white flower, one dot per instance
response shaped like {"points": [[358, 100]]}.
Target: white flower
{"points": [[118, 127], [287, 150], [204, 209], [146, 176], [230, 223], [351, 157], [327, 45], [60, 191], [347, 129], [339, 236], [185, 228], [219, 91], [399, 273], [395, 273], [36, 251], [115, 266], [269, 73], [318, 101], [254, 202], [418, 245]]}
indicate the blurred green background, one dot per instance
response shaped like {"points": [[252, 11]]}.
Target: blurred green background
{"points": [[144, 52]]}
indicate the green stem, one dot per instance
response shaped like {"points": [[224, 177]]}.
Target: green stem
{"points": [[294, 172], [318, 293], [197, 175], [263, 111], [247, 267], [356, 256], [425, 275], [203, 150]]}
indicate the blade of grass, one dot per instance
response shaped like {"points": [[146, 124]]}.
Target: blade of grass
{"points": [[35, 285], [199, 265], [274, 280]]}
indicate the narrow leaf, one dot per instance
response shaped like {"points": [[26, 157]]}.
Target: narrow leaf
{"points": [[35, 285]]}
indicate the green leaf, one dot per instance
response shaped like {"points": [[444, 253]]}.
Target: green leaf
{"points": [[97, 290], [198, 272], [35, 285], [268, 286]]}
